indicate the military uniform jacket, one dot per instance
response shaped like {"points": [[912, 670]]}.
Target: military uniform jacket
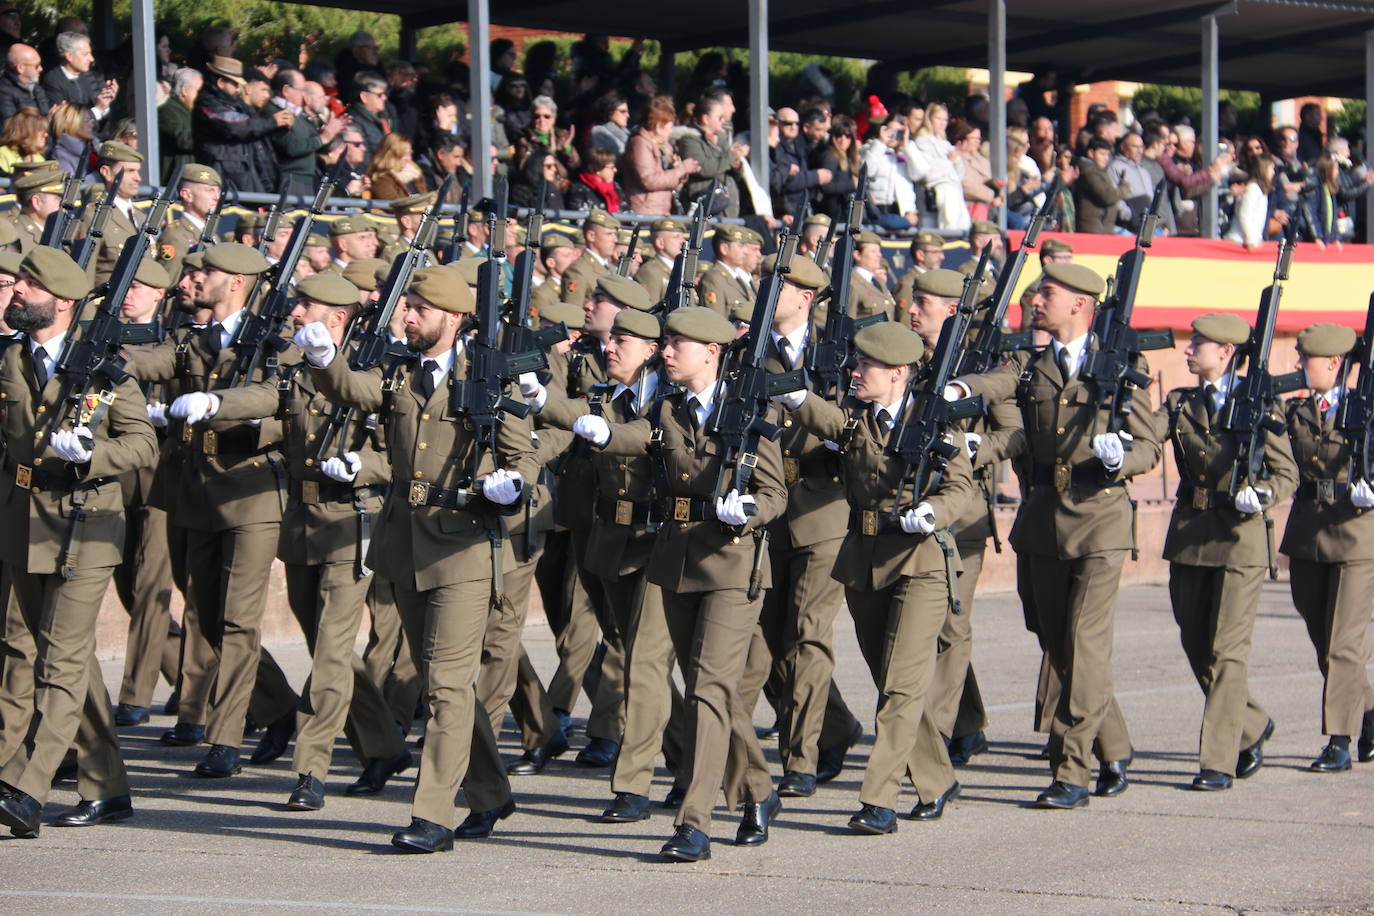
{"points": [[1002, 436], [427, 547], [1074, 506], [36, 519], [1205, 528], [30, 233], [575, 376], [175, 242], [318, 526], [545, 293], [701, 556], [720, 289], [653, 276], [1322, 528], [867, 298], [579, 280], [118, 229], [906, 288]]}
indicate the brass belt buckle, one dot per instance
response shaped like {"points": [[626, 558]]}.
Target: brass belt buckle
{"points": [[209, 443], [682, 509], [869, 521], [1063, 477], [1326, 491], [310, 492], [419, 494], [23, 476], [1201, 498], [791, 470], [624, 512], [188, 434]]}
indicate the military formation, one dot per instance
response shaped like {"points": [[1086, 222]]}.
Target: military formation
{"points": [[696, 465]]}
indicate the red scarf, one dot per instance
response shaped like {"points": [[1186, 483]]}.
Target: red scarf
{"points": [[603, 187]]}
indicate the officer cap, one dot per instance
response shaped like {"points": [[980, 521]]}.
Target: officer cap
{"points": [[983, 227], [151, 273], [114, 151], [889, 343], [817, 219], [443, 289], [42, 165], [865, 237], [329, 288], [638, 324], [749, 236], [467, 269], [928, 239], [667, 224], [201, 174], [362, 273], [9, 262], [1055, 246], [347, 225], [946, 283], [49, 180], [624, 291], [1076, 277], [622, 237], [552, 240], [566, 312], [55, 271], [1326, 340], [415, 203], [599, 217], [699, 323], [1222, 328], [803, 272], [236, 258]]}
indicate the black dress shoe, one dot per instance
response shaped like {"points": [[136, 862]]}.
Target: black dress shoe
{"points": [[673, 800], [963, 748], [626, 808], [126, 715], [931, 811], [1062, 795], [830, 760], [19, 811], [771, 733], [688, 844], [753, 825], [1211, 781], [797, 785], [1111, 779], [1252, 758], [89, 813], [1365, 746], [423, 836], [599, 752], [378, 771], [173, 704], [183, 734], [1333, 760], [533, 762], [308, 794], [221, 761], [477, 825], [275, 739], [874, 820]]}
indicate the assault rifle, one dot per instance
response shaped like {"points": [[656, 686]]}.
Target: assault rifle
{"points": [[682, 280], [460, 223], [1355, 416], [86, 246], [628, 258], [519, 337], [59, 223]]}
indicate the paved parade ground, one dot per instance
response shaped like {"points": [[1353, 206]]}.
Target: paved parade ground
{"points": [[1284, 841]]}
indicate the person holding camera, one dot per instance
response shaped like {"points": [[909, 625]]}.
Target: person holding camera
{"points": [[895, 167]]}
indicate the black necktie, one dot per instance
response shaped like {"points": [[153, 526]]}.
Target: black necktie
{"points": [[213, 337], [785, 352], [1065, 368], [1211, 401], [40, 367], [426, 381], [693, 405], [625, 405], [884, 419]]}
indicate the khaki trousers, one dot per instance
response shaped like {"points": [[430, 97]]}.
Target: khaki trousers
{"points": [[1334, 600], [387, 657], [956, 703], [498, 681], [20, 655], [143, 581]]}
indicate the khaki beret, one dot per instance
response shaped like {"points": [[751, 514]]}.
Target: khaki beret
{"points": [[803, 272], [600, 217], [443, 289], [700, 323], [415, 203], [315, 240], [566, 312], [8, 233], [1055, 246], [948, 284], [228, 67], [362, 273], [623, 236], [749, 236], [193, 261], [42, 165], [151, 273], [817, 219], [56, 272], [467, 269], [983, 227], [638, 324], [624, 291], [1222, 327], [1075, 277], [667, 224], [9, 262], [1326, 340], [928, 239], [236, 258], [729, 234], [890, 343], [50, 180], [329, 288], [251, 221], [552, 240], [201, 174], [347, 225], [865, 237], [741, 312], [114, 151]]}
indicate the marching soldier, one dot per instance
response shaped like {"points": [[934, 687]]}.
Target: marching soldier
{"points": [[927, 253], [867, 294], [1052, 251], [119, 165], [728, 283], [556, 252], [599, 234], [39, 195], [667, 235], [351, 238], [199, 194], [407, 211]]}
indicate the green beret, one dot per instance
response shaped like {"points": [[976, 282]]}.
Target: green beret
{"points": [[948, 284], [890, 343], [1055, 246], [443, 289], [42, 165], [667, 224], [55, 271], [817, 219], [50, 180], [865, 237], [983, 227], [362, 273], [624, 291], [114, 151], [315, 240], [566, 312], [1222, 328], [415, 203], [328, 288], [236, 258], [928, 239], [151, 273], [193, 261], [9, 262], [637, 324], [347, 225], [1326, 340], [749, 236], [599, 217], [1075, 277], [699, 323], [729, 234], [803, 272], [201, 174], [467, 269], [8, 233], [742, 312], [552, 240]]}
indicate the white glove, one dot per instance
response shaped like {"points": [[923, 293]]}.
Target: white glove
{"points": [[194, 407], [344, 470], [529, 384], [972, 441], [1109, 450], [502, 487], [830, 444], [157, 414], [1362, 495], [1248, 501], [594, 429], [955, 391], [920, 520], [730, 508], [67, 444], [316, 344], [792, 400]]}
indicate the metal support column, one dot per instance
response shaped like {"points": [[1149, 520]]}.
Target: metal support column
{"points": [[1369, 103], [667, 68], [102, 27], [758, 90], [1208, 137], [144, 99], [409, 44], [479, 102], [997, 97]]}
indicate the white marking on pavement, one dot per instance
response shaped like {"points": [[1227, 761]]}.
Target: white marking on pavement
{"points": [[260, 904]]}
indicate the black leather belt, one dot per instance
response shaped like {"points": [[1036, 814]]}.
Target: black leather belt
{"points": [[38, 480], [1201, 498], [231, 447], [313, 492], [1324, 490], [424, 494], [872, 521], [794, 469], [1063, 477], [623, 511]]}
